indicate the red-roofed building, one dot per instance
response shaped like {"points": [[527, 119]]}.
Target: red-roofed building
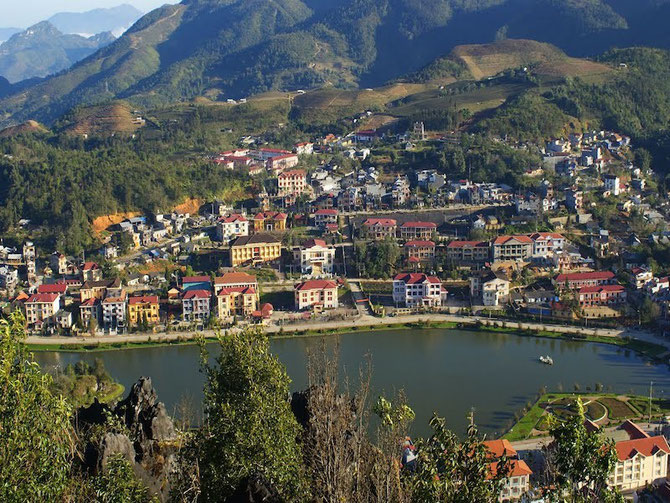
{"points": [[417, 290], [641, 461], [41, 309], [264, 313], [59, 288], [324, 217], [497, 448], [380, 228], [236, 301], [91, 271], [468, 252], [601, 295], [196, 305], [268, 153], [517, 482], [232, 226], [88, 309], [235, 280], [365, 136], [516, 248], [576, 280], [420, 251], [304, 148], [280, 163], [316, 293], [546, 243], [196, 283], [292, 182], [270, 221], [417, 230]]}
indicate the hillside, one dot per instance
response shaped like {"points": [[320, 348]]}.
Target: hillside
{"points": [[115, 20], [25, 128], [234, 48], [43, 50], [115, 117]]}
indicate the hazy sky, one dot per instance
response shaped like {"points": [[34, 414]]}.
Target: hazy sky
{"points": [[23, 13]]}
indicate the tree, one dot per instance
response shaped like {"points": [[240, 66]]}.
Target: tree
{"points": [[117, 483], [36, 438], [449, 470], [249, 432], [580, 461], [649, 311]]}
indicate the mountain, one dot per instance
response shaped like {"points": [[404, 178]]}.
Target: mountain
{"points": [[5, 33], [115, 20], [42, 50], [232, 48]]}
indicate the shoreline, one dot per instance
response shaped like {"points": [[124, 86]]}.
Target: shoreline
{"points": [[424, 322]]}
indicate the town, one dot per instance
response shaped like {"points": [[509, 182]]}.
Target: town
{"points": [[577, 245]]}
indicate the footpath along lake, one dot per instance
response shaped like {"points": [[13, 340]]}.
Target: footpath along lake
{"points": [[448, 371]]}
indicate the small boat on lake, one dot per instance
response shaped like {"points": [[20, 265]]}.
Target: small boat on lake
{"points": [[547, 360]]}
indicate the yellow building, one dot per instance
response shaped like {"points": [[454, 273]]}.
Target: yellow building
{"points": [[269, 221], [143, 308], [254, 249], [236, 301]]}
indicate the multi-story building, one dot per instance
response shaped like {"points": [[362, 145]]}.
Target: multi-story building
{"points": [[515, 248], [517, 482], [254, 249], [269, 221], [316, 258], [468, 252], [612, 184], [417, 230], [97, 289], [601, 295], [546, 243], [326, 216], [196, 283], [236, 301], [58, 288], [491, 288], [89, 309], [196, 305], [316, 293], [380, 228], [281, 163], [231, 226], [304, 148], [91, 271], [640, 277], [574, 199], [235, 280], [41, 309], [58, 263], [400, 191], [114, 310], [417, 290], [143, 309], [292, 182], [576, 280], [420, 251], [9, 278], [642, 460]]}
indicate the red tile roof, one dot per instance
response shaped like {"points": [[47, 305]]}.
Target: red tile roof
{"points": [[633, 430], [245, 290], [195, 279], [90, 265], [293, 172], [59, 288], [497, 448], [270, 214], [89, 302], [231, 278], [200, 294], [314, 242], [412, 278], [42, 298], [143, 299], [645, 446], [233, 218], [501, 240], [418, 242], [326, 212], [583, 276], [601, 288], [419, 225], [517, 468], [316, 284], [467, 244], [380, 221], [546, 235]]}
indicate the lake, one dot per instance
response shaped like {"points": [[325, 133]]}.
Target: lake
{"points": [[448, 371]]}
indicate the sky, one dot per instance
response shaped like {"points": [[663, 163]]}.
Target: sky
{"points": [[28, 12]]}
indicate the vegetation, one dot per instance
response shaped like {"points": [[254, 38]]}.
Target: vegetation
{"points": [[81, 383]]}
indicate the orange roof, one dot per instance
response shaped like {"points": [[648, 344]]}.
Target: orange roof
{"points": [[200, 294], [379, 221], [546, 235], [314, 242], [42, 298], [244, 290], [415, 277], [583, 276], [235, 277], [497, 448], [645, 446], [53, 288], [90, 265], [633, 430], [411, 244], [143, 299], [517, 468], [501, 240], [316, 284], [601, 288], [235, 217], [467, 244]]}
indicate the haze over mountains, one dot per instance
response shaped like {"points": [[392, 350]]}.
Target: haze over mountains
{"points": [[232, 48]]}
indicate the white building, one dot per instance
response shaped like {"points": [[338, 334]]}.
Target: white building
{"points": [[316, 258], [417, 289], [547, 243], [492, 289], [196, 305], [114, 310], [612, 184], [41, 308], [232, 226], [316, 293], [292, 183]]}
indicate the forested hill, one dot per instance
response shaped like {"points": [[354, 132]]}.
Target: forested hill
{"points": [[233, 48]]}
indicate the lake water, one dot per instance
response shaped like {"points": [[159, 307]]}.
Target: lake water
{"points": [[448, 371]]}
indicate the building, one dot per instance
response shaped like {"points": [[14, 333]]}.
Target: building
{"points": [[89, 309], [58, 263], [269, 221], [417, 230], [420, 251], [417, 290], [601, 295], [574, 199], [236, 301], [546, 243], [41, 309], [324, 217], [468, 252], [612, 184], [231, 227], [304, 148], [264, 154], [58, 288], [640, 277], [491, 288], [143, 309], [281, 163], [196, 305], [515, 248], [517, 483], [316, 294], [97, 289], [380, 228], [316, 258], [642, 460], [292, 182], [196, 283], [114, 308], [576, 280], [235, 280], [254, 249], [91, 271]]}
